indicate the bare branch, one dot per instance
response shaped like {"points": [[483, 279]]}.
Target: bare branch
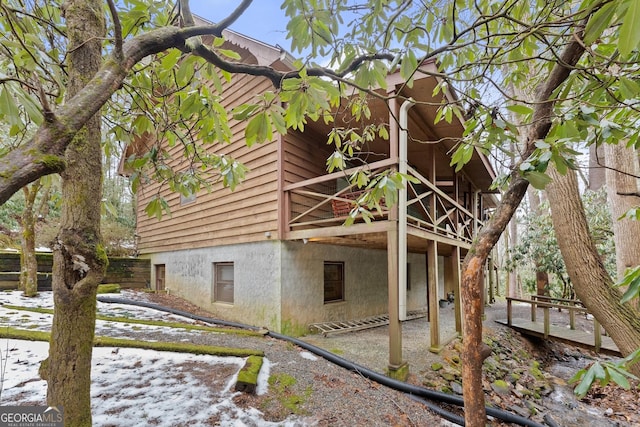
{"points": [[49, 116], [117, 30]]}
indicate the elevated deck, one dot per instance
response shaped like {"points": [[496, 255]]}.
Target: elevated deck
{"points": [[591, 337], [563, 334]]}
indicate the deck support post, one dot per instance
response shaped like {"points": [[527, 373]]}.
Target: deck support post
{"points": [[402, 207], [455, 261], [395, 327], [396, 364], [432, 289]]}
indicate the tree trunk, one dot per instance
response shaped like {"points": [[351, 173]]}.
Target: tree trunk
{"points": [[622, 191], [79, 260], [542, 277], [513, 242], [596, 168], [29, 263], [591, 282], [471, 294], [472, 268]]}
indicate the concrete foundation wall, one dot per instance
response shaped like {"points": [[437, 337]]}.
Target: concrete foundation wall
{"points": [[280, 285], [365, 292], [189, 274]]}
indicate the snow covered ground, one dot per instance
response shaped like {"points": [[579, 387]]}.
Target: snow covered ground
{"points": [[129, 386]]}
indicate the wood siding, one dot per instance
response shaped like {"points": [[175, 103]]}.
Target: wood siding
{"points": [[305, 157], [221, 216]]}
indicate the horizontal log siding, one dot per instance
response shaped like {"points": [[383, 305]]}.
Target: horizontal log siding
{"points": [[127, 272], [222, 216], [305, 157]]}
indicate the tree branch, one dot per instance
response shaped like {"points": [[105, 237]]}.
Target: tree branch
{"points": [[117, 30]]}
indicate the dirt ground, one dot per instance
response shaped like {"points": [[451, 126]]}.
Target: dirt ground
{"points": [[540, 390]]}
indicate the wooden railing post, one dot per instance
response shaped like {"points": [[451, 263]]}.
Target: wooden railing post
{"points": [[546, 322], [597, 337], [572, 315], [533, 308], [508, 311]]}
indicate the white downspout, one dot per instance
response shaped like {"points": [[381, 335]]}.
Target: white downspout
{"points": [[402, 211]]}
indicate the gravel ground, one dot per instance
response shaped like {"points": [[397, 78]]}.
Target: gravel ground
{"points": [[327, 395], [323, 394]]}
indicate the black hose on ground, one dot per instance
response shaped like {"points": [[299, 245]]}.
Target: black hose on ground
{"points": [[442, 413], [404, 387], [113, 300]]}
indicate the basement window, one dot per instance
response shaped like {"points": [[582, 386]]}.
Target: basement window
{"points": [[223, 282], [333, 281]]}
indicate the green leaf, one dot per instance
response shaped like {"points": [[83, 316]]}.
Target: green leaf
{"points": [[631, 280], [586, 380], [244, 111], [278, 121], [461, 156], [184, 71], [542, 144], [8, 108], [259, 129], [538, 180], [630, 30], [599, 22], [408, 66], [30, 105], [629, 88], [520, 109], [619, 378], [230, 54], [632, 214], [525, 166], [598, 371], [156, 207]]}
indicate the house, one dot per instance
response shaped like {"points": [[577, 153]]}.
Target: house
{"points": [[276, 253]]}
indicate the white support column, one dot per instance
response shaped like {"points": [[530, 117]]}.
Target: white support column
{"points": [[402, 210]]}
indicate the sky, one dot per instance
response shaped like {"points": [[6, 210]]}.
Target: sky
{"points": [[263, 20], [129, 384]]}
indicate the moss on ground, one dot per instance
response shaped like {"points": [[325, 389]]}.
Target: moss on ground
{"points": [[22, 334], [109, 288], [127, 320], [248, 375], [282, 386]]}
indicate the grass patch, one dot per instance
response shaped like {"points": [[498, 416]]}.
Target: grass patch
{"points": [[22, 334], [128, 320], [109, 288], [282, 385]]}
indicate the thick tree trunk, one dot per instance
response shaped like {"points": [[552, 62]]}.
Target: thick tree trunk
{"points": [[623, 194], [596, 168], [471, 294], [542, 277], [79, 260], [513, 275], [590, 279], [472, 268], [29, 264]]}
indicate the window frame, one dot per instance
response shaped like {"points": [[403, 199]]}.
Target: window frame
{"points": [[218, 282], [340, 281]]}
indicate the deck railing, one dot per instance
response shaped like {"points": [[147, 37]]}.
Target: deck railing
{"points": [[547, 303], [320, 202]]}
